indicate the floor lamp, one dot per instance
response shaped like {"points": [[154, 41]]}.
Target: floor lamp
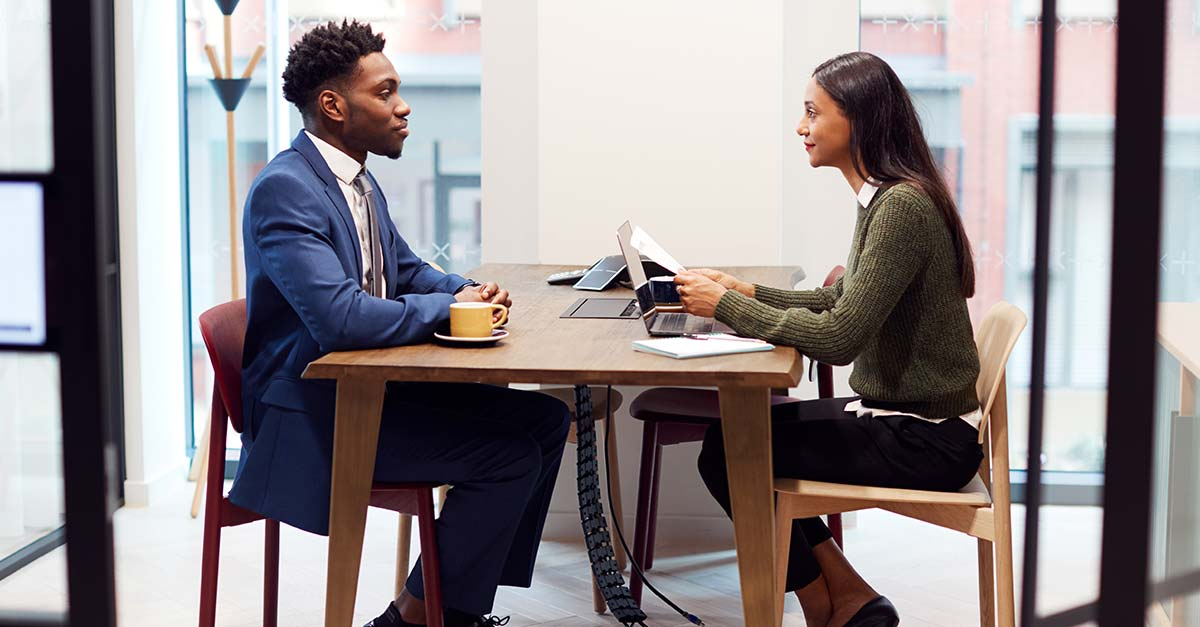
{"points": [[229, 91]]}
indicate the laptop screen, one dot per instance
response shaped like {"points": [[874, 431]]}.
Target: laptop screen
{"points": [[637, 274], [633, 260]]}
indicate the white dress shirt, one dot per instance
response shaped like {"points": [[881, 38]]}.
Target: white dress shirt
{"points": [[345, 168], [865, 195]]}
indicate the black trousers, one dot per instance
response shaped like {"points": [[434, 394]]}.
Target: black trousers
{"points": [[820, 441], [500, 448]]}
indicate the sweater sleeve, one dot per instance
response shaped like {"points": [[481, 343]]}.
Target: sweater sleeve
{"points": [[818, 299], [895, 248]]}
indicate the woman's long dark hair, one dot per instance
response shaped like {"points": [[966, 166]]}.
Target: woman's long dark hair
{"points": [[886, 140]]}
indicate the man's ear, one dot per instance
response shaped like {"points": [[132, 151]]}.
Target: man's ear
{"points": [[331, 105]]}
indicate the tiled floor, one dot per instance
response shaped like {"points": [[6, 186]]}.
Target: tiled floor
{"points": [[929, 573]]}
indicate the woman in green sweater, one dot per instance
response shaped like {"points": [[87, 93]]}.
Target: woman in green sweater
{"points": [[899, 314]]}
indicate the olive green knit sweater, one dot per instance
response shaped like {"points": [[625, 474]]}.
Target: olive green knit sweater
{"points": [[897, 313]]}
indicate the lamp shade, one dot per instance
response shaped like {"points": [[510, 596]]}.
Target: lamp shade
{"points": [[230, 91], [227, 6]]}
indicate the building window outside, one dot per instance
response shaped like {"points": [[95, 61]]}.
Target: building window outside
{"points": [[433, 191]]}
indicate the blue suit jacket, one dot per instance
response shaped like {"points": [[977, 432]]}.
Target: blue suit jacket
{"points": [[303, 278]]}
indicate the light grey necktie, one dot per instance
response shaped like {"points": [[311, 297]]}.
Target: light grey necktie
{"points": [[363, 186]]}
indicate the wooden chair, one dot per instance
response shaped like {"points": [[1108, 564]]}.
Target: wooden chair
{"points": [[680, 415], [981, 509], [224, 330]]}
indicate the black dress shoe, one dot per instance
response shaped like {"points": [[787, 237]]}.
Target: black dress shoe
{"points": [[483, 621], [390, 618], [878, 612], [456, 618]]}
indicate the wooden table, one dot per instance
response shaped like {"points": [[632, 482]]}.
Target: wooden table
{"points": [[1179, 334], [542, 348]]}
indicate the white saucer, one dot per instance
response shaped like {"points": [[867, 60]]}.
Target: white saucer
{"points": [[497, 335]]}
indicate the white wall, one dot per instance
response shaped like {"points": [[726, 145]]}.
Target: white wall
{"points": [[509, 135], [148, 160], [818, 218], [679, 115], [667, 113]]}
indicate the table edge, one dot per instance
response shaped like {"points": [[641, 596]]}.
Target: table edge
{"points": [[788, 379]]}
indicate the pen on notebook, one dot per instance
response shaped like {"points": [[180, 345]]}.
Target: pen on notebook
{"points": [[727, 338]]}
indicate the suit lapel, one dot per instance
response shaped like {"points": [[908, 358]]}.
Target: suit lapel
{"points": [[303, 145]]}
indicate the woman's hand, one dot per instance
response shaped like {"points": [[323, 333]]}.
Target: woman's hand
{"points": [[726, 281], [698, 293]]}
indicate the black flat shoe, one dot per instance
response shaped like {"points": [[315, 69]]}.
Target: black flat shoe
{"points": [[878, 612]]}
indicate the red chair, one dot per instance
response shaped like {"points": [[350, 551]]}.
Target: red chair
{"points": [[224, 330], [679, 415]]}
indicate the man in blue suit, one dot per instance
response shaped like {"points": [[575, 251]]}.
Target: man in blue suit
{"points": [[328, 271]]}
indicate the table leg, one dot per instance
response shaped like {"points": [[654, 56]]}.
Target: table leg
{"points": [[746, 421], [355, 436]]}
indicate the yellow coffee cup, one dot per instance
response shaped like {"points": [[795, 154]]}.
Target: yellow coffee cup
{"points": [[475, 319]]}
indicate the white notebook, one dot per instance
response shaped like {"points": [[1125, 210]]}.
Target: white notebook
{"points": [[687, 347]]}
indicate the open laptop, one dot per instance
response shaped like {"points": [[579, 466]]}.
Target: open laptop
{"points": [[659, 323]]}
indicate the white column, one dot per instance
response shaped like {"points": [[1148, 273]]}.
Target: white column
{"points": [[148, 181]]}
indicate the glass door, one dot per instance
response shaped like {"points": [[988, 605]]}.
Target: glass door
{"points": [[59, 337], [31, 510]]}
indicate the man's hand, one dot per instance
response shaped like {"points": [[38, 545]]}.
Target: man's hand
{"points": [[469, 294], [486, 293], [492, 293], [698, 293], [726, 281]]}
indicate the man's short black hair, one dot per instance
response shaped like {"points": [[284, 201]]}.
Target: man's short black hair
{"points": [[324, 57]]}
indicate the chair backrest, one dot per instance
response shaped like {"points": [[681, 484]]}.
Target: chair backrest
{"points": [[825, 371], [833, 275], [995, 338], [224, 330]]}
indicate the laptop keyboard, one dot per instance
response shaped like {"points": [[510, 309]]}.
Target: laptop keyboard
{"points": [[682, 323], [629, 309]]}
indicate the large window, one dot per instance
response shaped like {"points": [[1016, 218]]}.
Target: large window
{"points": [[1175, 534], [972, 67], [433, 191]]}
